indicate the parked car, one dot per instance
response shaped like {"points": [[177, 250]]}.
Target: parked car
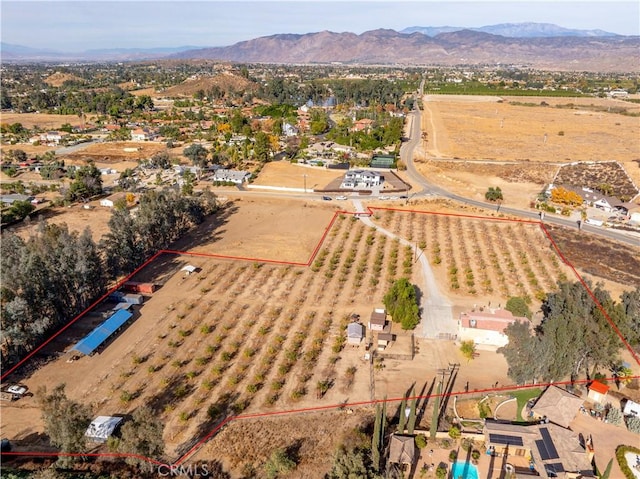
{"points": [[341, 197], [326, 198]]}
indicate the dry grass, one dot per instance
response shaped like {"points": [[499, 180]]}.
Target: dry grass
{"points": [[286, 174], [45, 121]]}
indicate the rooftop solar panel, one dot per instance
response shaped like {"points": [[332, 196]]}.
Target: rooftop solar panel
{"points": [[505, 439], [95, 338], [554, 468], [548, 443]]}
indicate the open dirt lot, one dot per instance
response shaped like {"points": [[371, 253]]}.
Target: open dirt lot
{"points": [[291, 175], [45, 121], [116, 151], [489, 131]]}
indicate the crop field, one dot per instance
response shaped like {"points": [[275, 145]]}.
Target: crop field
{"points": [[245, 337], [480, 258]]}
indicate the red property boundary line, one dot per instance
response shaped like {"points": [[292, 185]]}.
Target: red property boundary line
{"points": [[369, 211]]}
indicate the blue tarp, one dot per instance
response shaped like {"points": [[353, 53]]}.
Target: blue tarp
{"points": [[99, 335]]}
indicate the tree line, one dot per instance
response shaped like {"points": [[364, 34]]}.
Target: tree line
{"points": [[56, 274], [574, 338]]}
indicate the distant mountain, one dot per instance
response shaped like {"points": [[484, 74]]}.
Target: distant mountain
{"points": [[536, 45], [617, 53], [516, 30], [11, 52]]}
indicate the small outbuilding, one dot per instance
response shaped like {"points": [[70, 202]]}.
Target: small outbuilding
{"points": [[631, 408], [597, 392], [402, 449], [189, 269], [383, 340], [110, 201], [102, 427], [355, 333], [378, 320]]}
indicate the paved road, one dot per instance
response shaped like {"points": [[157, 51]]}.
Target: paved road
{"points": [[65, 150], [437, 316]]}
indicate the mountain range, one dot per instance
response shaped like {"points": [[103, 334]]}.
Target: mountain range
{"points": [[536, 45]]}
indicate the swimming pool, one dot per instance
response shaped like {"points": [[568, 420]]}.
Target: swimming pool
{"points": [[464, 470]]}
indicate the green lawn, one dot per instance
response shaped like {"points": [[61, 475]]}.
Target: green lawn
{"points": [[522, 396]]}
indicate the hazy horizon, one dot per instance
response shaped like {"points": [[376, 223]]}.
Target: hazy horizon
{"points": [[76, 26]]}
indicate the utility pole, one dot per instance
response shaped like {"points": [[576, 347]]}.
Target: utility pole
{"points": [[305, 182]]}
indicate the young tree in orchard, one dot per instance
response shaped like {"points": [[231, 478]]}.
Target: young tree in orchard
{"points": [[65, 421], [402, 303]]}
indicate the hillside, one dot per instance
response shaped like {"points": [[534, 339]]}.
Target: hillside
{"points": [[225, 82], [450, 48]]}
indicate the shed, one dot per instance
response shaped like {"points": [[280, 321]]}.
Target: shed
{"points": [[378, 320], [102, 427], [597, 391], [402, 449], [355, 333], [384, 339]]}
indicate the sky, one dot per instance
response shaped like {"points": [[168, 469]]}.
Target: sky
{"points": [[79, 25]]}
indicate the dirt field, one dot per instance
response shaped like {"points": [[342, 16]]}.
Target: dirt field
{"points": [[45, 121], [482, 128], [286, 174], [116, 151], [76, 217]]}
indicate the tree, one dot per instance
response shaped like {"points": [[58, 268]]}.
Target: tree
{"points": [[65, 421], [518, 307], [494, 194], [566, 197], [468, 349], [142, 436], [86, 184], [279, 462], [402, 304], [17, 211], [262, 147], [197, 154], [353, 464], [521, 352], [160, 160]]}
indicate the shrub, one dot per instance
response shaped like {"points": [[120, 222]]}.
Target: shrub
{"points": [[421, 441], [614, 415], [453, 455], [441, 472], [125, 396], [454, 432], [633, 424]]}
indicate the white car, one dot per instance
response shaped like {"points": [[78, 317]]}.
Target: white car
{"points": [[383, 197], [341, 197]]}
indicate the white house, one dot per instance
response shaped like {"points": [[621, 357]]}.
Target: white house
{"points": [[52, 137], [486, 328], [235, 176], [361, 179], [111, 200], [141, 134], [289, 130]]}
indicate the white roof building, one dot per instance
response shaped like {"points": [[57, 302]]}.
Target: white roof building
{"points": [[102, 427], [234, 176]]}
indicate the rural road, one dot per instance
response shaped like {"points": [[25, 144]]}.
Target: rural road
{"points": [[437, 318]]}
